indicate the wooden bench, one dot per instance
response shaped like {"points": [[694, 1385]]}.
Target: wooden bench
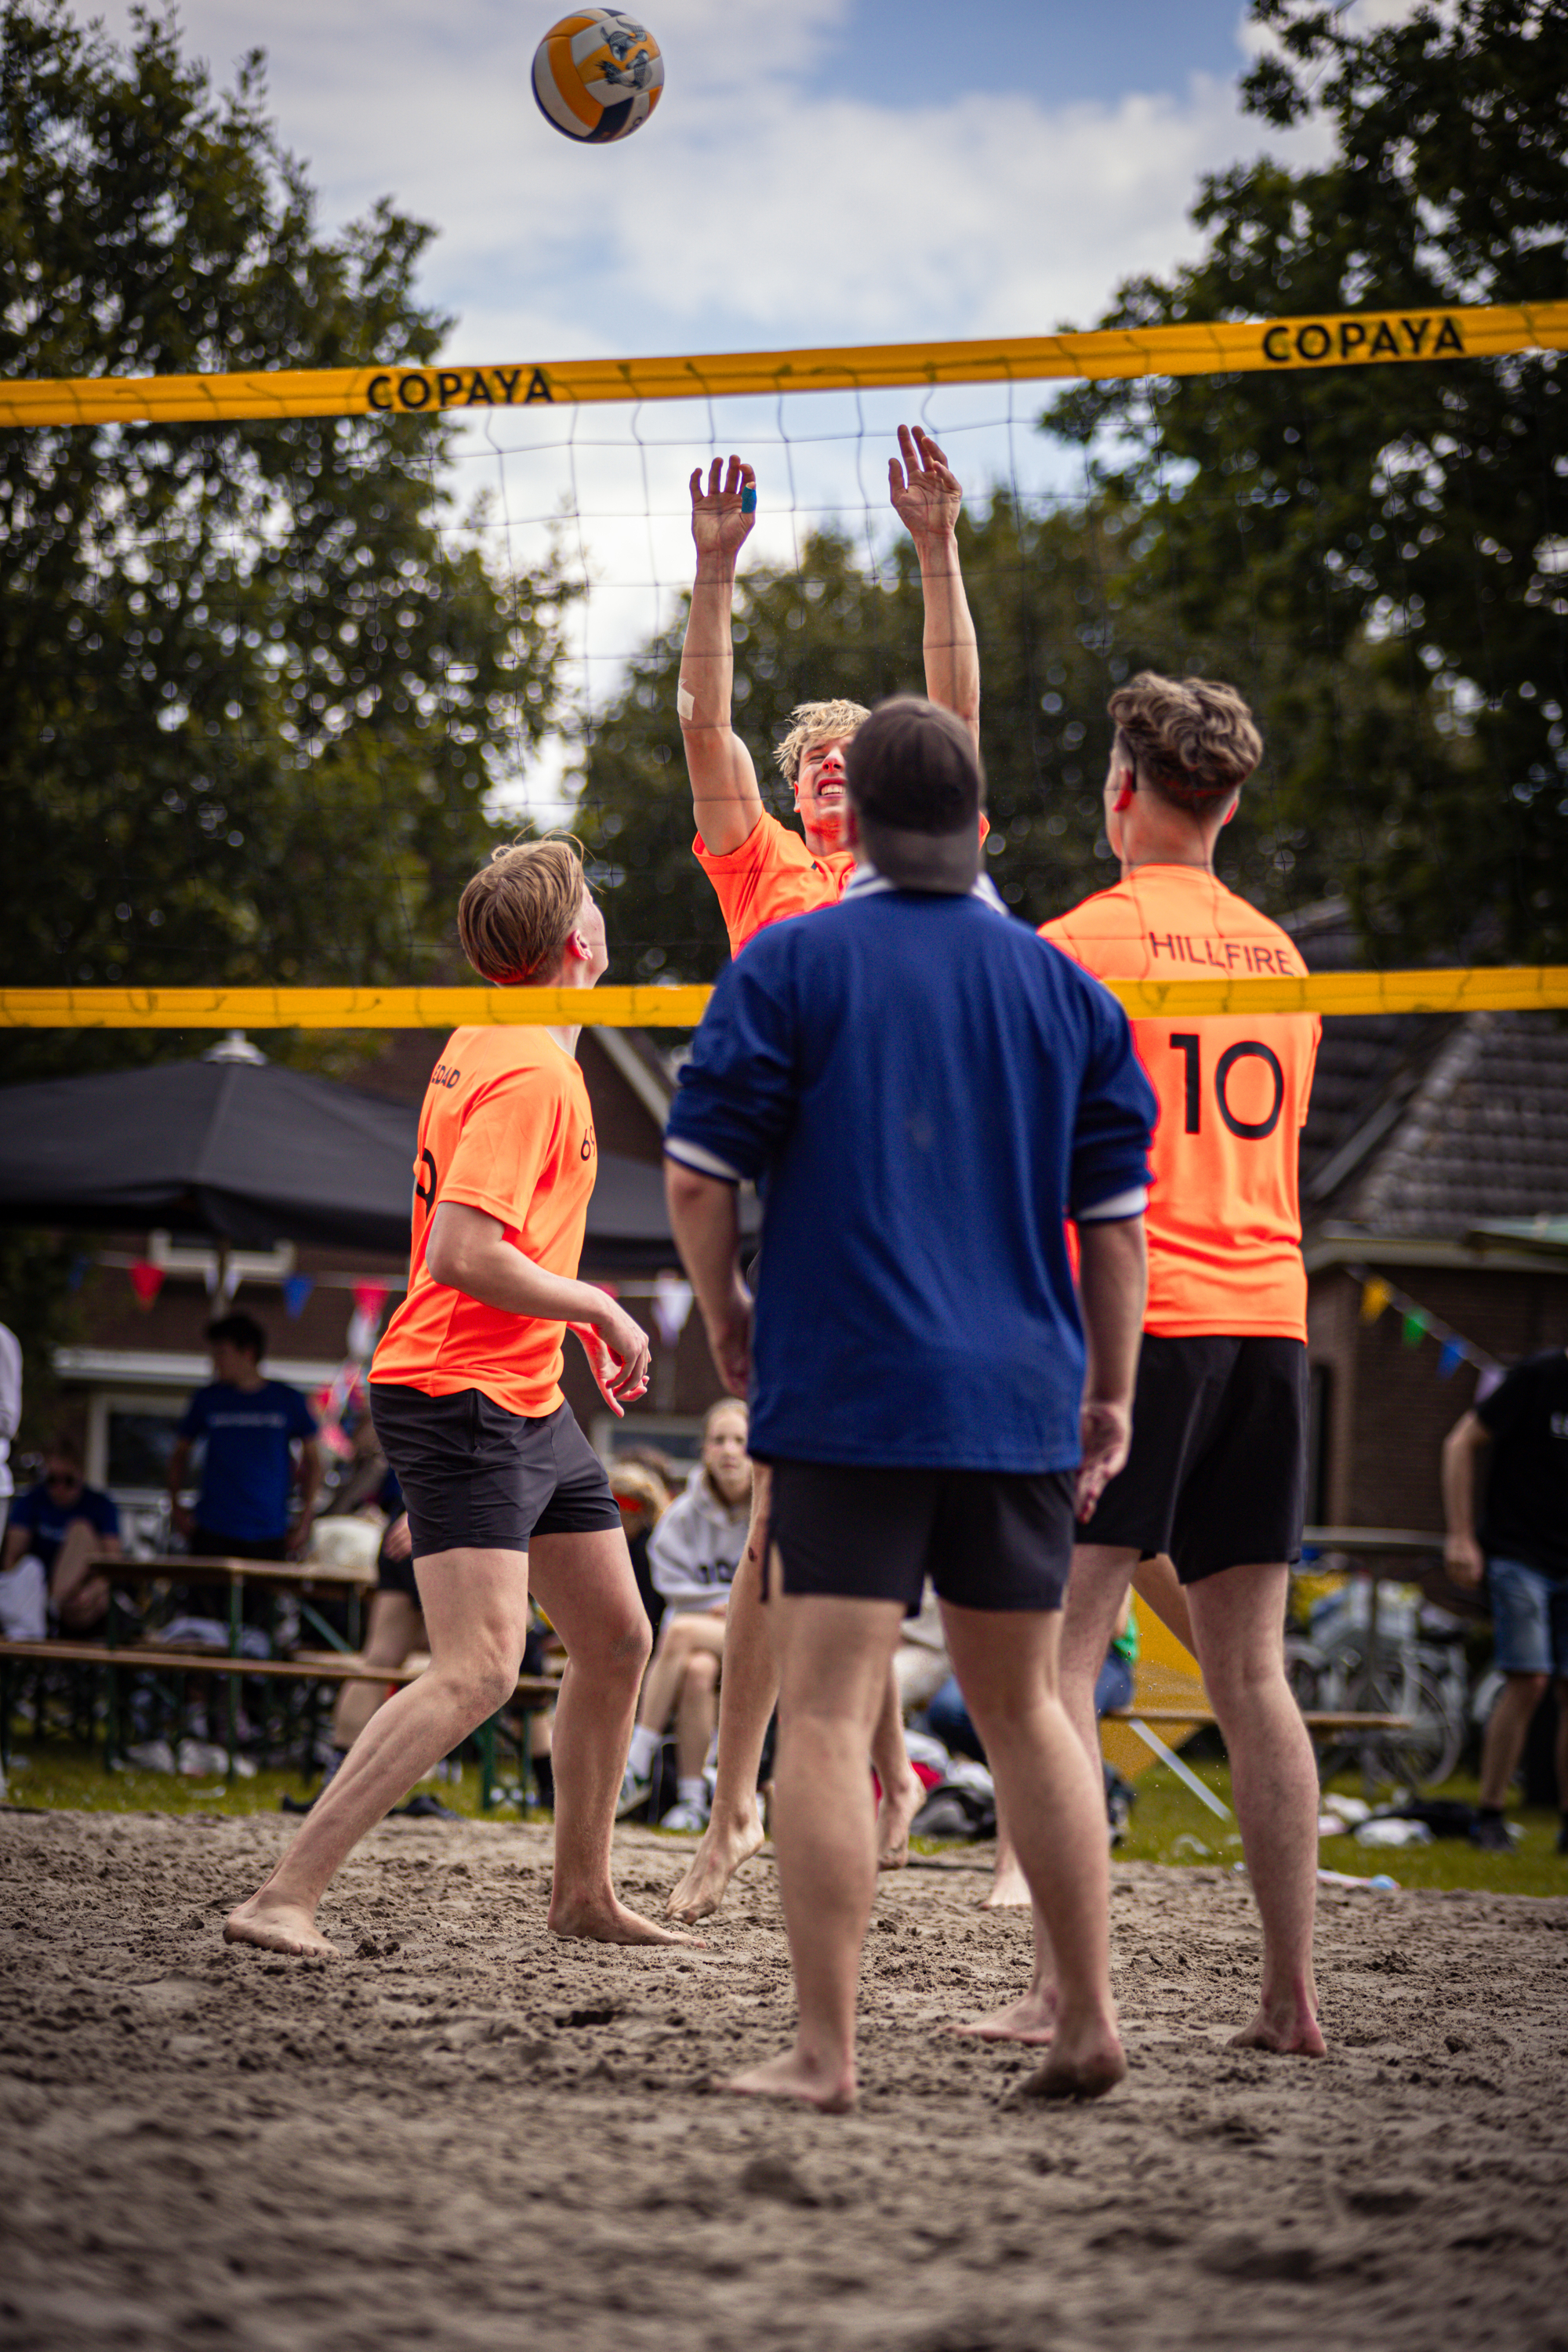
{"points": [[534, 1691]]}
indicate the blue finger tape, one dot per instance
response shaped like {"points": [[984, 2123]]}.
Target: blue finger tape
{"points": [[749, 498]]}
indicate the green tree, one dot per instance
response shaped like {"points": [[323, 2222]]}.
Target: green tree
{"points": [[256, 682], [1377, 554]]}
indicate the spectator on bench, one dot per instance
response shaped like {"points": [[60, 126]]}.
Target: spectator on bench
{"points": [[693, 1554], [55, 1528]]}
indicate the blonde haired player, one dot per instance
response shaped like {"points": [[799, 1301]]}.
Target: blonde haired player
{"points": [[1215, 1477], [501, 1486], [763, 873]]}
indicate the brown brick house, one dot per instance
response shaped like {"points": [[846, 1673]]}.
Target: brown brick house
{"points": [[1435, 1158]]}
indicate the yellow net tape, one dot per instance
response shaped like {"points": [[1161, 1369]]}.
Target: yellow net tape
{"points": [[1357, 338], [1536, 988]]}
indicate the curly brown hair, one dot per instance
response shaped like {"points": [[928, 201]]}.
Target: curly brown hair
{"points": [[1191, 739]]}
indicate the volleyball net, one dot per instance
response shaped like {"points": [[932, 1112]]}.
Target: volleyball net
{"points": [[530, 655]]}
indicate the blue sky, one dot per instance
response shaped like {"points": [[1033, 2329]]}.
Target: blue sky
{"points": [[1062, 52]]}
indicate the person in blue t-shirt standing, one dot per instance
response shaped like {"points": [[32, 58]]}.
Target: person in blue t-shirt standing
{"points": [[925, 1095], [61, 1525], [251, 1427]]}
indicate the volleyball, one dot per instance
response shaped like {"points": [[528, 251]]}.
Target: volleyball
{"points": [[597, 74]]}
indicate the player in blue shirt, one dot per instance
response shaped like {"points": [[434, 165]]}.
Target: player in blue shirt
{"points": [[62, 1523], [925, 1095], [251, 1426]]}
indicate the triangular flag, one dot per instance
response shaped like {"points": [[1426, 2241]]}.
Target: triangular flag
{"points": [[296, 1288], [368, 1298], [76, 1273], [146, 1281], [1415, 1327], [671, 1307], [1375, 1295], [1450, 1358]]}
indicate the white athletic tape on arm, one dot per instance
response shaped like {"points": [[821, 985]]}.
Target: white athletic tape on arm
{"points": [[684, 702], [1120, 1205]]}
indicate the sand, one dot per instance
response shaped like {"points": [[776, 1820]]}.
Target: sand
{"points": [[465, 2134]]}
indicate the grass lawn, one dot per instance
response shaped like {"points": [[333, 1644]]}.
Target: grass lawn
{"points": [[1168, 1825]]}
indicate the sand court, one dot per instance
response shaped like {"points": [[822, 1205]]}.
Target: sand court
{"points": [[464, 2129]]}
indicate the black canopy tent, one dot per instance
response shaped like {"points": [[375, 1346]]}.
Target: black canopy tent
{"points": [[254, 1154]]}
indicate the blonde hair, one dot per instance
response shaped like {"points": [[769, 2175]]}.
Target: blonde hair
{"points": [[520, 911], [817, 722], [725, 1404], [1192, 740]]}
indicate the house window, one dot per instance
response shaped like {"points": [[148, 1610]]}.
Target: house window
{"points": [[139, 1439]]}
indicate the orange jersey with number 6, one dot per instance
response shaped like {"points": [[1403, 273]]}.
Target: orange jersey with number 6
{"points": [[506, 1127], [1224, 1219]]}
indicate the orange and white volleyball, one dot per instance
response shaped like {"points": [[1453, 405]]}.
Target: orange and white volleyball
{"points": [[597, 74]]}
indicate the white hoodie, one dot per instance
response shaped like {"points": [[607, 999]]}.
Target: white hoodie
{"points": [[695, 1549]]}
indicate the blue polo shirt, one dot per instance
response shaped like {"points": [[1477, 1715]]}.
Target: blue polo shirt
{"points": [[48, 1520], [925, 1093], [247, 1475]]}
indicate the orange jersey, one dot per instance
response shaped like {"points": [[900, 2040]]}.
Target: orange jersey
{"points": [[506, 1127], [1224, 1219], [771, 875]]}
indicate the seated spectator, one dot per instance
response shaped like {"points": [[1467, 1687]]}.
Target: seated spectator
{"points": [[54, 1530], [251, 1426], [693, 1554]]}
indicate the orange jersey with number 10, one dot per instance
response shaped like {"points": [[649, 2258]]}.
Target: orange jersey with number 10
{"points": [[506, 1127], [1224, 1219]]}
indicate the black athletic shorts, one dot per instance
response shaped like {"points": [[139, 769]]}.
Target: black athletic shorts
{"points": [[1217, 1473], [987, 1539], [474, 1475]]}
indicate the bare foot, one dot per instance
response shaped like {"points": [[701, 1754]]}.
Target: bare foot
{"points": [[726, 1844], [894, 1814], [1096, 2067], [1033, 2019], [607, 1921], [1292, 2031], [1008, 1888], [793, 2076], [277, 1927]]}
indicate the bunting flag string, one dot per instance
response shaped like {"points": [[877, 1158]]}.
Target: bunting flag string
{"points": [[1417, 1323]]}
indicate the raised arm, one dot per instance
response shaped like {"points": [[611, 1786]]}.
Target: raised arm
{"points": [[725, 800], [927, 496]]}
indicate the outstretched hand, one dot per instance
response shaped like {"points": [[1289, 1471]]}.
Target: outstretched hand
{"points": [[723, 513], [925, 491]]}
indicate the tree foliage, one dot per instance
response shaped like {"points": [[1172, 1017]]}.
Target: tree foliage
{"points": [[1380, 553], [256, 685]]}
